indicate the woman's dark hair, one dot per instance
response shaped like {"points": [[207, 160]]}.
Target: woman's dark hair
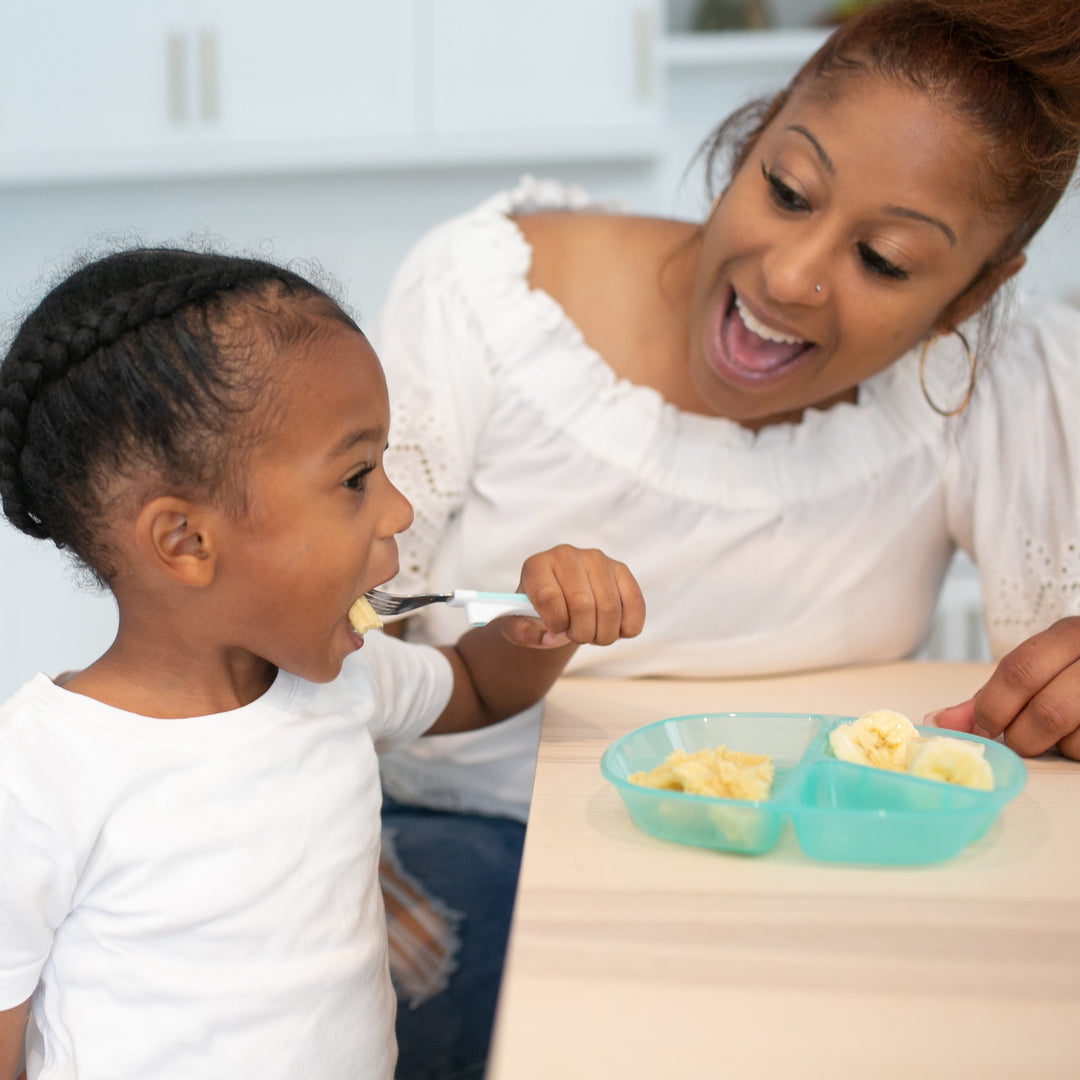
{"points": [[1011, 69], [146, 358]]}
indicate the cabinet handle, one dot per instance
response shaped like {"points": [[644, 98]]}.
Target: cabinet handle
{"points": [[209, 86], [644, 39], [176, 78]]}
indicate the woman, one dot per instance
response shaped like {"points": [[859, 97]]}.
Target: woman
{"points": [[784, 419]]}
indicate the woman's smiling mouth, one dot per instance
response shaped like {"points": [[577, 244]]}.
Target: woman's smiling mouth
{"points": [[743, 349]]}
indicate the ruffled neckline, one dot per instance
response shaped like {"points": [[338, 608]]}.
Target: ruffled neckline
{"points": [[534, 343]]}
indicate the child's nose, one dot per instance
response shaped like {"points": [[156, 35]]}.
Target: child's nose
{"points": [[399, 515]]}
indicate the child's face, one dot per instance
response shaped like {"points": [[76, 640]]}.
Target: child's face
{"points": [[321, 513], [848, 230]]}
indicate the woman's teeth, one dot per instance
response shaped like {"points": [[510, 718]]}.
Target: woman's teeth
{"points": [[757, 327]]}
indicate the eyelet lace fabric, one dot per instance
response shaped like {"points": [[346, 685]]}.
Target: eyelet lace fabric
{"points": [[803, 545]]}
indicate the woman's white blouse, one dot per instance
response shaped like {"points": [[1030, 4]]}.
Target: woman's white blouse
{"points": [[801, 546]]}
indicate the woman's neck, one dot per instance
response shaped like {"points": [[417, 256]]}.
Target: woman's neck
{"points": [[627, 283]]}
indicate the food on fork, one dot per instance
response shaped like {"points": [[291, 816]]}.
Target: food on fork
{"points": [[877, 738], [719, 772], [362, 616], [954, 761]]}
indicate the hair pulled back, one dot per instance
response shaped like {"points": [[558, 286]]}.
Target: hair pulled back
{"points": [[139, 359], [1011, 69]]}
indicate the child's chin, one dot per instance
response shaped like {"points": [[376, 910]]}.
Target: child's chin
{"points": [[320, 673]]}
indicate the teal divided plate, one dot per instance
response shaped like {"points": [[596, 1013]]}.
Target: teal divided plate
{"points": [[840, 812]]}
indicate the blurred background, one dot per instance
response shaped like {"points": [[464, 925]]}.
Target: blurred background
{"points": [[337, 132]]}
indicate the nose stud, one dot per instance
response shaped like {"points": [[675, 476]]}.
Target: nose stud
{"points": [[817, 288]]}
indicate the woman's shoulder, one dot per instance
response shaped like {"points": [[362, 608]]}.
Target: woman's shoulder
{"points": [[1035, 351], [1019, 432], [1042, 324], [537, 265], [544, 233], [488, 233], [588, 257]]}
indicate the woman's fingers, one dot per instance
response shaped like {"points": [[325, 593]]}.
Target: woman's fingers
{"points": [[1070, 745], [955, 718], [1033, 696]]}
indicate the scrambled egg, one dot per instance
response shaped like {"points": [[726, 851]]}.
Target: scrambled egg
{"points": [[722, 773]]}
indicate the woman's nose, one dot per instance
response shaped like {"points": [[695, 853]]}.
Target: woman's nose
{"points": [[796, 270]]}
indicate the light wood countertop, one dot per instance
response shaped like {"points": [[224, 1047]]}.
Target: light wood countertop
{"points": [[631, 957]]}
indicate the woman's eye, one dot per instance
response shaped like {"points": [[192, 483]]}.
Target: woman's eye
{"points": [[356, 481], [878, 264], [784, 197]]}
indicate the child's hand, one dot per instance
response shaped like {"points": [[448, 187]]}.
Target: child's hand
{"points": [[581, 596], [1033, 696]]}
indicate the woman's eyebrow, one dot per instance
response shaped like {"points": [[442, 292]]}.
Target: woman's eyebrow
{"points": [[895, 211], [818, 148], [915, 215]]}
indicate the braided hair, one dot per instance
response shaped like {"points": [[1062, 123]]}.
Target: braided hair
{"points": [[146, 358]]}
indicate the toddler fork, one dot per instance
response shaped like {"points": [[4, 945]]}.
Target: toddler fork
{"points": [[480, 607]]}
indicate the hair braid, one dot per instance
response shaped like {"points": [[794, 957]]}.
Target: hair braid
{"points": [[127, 361]]}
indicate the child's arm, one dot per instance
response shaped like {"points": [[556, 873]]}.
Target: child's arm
{"points": [[582, 597], [12, 1025]]}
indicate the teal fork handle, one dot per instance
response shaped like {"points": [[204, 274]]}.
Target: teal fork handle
{"points": [[482, 607]]}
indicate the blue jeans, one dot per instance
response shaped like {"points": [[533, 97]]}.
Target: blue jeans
{"points": [[467, 864]]}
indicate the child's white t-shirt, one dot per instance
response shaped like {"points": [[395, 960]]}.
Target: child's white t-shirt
{"points": [[199, 897]]}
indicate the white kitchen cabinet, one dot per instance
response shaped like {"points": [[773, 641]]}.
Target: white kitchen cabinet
{"points": [[562, 66], [273, 71], [120, 88], [78, 76]]}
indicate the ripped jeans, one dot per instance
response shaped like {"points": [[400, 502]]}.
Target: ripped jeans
{"points": [[448, 884]]}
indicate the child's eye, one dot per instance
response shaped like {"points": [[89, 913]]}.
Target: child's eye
{"points": [[878, 264], [785, 197], [356, 481]]}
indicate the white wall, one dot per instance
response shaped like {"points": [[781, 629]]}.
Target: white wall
{"points": [[357, 223]]}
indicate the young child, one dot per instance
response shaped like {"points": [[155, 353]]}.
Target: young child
{"points": [[191, 823]]}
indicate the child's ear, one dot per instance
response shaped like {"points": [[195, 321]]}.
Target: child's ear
{"points": [[178, 537]]}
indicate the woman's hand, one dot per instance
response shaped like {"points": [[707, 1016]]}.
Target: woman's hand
{"points": [[581, 595], [1033, 696]]}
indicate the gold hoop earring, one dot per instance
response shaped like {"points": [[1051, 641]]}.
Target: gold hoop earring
{"points": [[971, 376]]}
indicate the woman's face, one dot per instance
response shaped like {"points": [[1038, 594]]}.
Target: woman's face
{"points": [[841, 242]]}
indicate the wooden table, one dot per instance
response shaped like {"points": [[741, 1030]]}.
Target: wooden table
{"points": [[634, 958]]}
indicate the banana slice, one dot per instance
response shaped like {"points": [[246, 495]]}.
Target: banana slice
{"points": [[362, 616], [877, 738], [954, 761]]}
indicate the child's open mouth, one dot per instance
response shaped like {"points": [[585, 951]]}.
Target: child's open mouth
{"points": [[744, 349]]}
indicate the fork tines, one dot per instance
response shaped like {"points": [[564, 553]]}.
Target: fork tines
{"points": [[386, 604]]}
